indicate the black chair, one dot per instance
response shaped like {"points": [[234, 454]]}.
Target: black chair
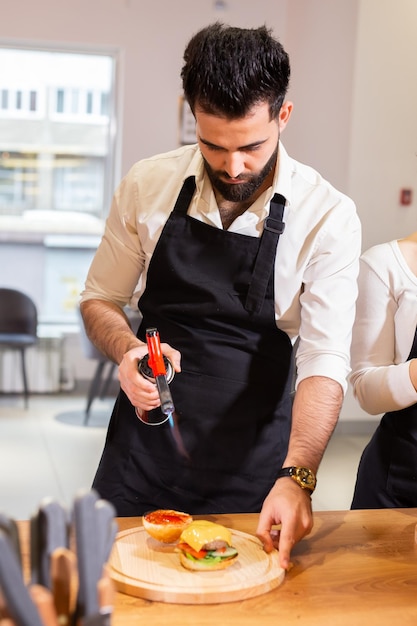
{"points": [[18, 327], [98, 387]]}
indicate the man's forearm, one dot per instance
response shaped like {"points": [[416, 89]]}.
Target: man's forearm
{"points": [[316, 409], [108, 328]]}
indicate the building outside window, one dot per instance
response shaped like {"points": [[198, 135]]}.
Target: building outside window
{"points": [[57, 162], [56, 115]]}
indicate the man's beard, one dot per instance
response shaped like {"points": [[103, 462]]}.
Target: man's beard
{"points": [[250, 183]]}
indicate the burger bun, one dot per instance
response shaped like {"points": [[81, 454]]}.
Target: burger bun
{"points": [[166, 525]]}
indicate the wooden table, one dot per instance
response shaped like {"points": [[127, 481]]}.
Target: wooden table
{"points": [[355, 568]]}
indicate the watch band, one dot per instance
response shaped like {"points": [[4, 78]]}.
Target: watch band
{"points": [[303, 476]]}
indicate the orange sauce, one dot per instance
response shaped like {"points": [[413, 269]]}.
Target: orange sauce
{"points": [[167, 517]]}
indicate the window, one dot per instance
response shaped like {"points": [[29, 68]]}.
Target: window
{"points": [[78, 183], [18, 100], [60, 100], [19, 179], [4, 98], [56, 115], [32, 100], [89, 102]]}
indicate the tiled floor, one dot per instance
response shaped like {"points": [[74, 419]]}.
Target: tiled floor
{"points": [[46, 451]]}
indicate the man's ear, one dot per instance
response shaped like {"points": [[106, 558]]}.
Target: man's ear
{"points": [[284, 114]]}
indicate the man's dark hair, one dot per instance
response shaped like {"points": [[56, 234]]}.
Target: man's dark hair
{"points": [[229, 70]]}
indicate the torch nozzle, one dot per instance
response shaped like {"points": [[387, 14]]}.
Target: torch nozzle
{"points": [[167, 404]]}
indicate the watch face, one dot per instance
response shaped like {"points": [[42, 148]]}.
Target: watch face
{"points": [[306, 478]]}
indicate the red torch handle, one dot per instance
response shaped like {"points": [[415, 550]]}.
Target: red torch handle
{"points": [[156, 359]]}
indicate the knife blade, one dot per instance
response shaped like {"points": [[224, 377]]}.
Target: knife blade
{"points": [[95, 620], [106, 529], [9, 526], [88, 552], [18, 601], [34, 549], [53, 527]]}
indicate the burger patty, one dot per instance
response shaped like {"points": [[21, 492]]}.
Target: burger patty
{"points": [[215, 545]]}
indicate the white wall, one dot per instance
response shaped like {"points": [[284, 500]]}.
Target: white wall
{"points": [[321, 39], [384, 124]]}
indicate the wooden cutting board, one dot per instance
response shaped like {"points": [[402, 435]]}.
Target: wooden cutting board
{"points": [[146, 568]]}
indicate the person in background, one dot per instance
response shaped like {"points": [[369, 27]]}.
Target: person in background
{"points": [[233, 251], [384, 373]]}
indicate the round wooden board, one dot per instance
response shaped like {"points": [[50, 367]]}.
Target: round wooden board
{"points": [[146, 568]]}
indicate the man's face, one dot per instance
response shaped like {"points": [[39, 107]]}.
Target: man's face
{"points": [[240, 154]]}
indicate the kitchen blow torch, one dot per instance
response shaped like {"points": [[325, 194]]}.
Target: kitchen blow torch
{"points": [[161, 369]]}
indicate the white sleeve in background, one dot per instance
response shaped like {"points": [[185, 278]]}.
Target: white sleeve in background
{"points": [[383, 332]]}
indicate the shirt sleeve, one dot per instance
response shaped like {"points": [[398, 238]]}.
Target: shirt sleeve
{"points": [[379, 383], [328, 298], [119, 260]]}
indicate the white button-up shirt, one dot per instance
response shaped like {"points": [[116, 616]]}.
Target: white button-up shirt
{"points": [[317, 255]]}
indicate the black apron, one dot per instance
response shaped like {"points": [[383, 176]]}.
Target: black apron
{"points": [[210, 294], [387, 473]]}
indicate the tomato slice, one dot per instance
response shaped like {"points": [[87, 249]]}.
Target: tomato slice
{"points": [[200, 554]]}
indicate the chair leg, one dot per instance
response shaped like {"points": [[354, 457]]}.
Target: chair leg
{"points": [[94, 389], [107, 382], [24, 377]]}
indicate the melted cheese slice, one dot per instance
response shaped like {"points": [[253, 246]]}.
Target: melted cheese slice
{"points": [[200, 532]]}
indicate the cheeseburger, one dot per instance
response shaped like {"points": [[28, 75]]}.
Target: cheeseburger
{"points": [[205, 546]]}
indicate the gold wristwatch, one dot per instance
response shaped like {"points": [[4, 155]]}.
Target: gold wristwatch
{"points": [[303, 476]]}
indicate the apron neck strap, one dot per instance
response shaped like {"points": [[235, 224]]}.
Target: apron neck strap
{"points": [[265, 259], [185, 196]]}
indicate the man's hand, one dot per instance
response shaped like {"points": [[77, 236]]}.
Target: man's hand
{"points": [[142, 393], [290, 506], [287, 503]]}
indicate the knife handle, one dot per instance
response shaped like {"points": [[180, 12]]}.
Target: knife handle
{"points": [[64, 577], [43, 600]]}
